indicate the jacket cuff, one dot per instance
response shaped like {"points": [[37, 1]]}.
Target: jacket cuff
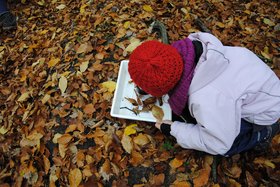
{"points": [[165, 129]]}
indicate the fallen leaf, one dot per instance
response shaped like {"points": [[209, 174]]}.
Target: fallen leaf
{"points": [[134, 42], [268, 22], [64, 139], [157, 112], [175, 163], [127, 143], [130, 129], [233, 183], [62, 84], [84, 66], [61, 6], [75, 177], [110, 85], [24, 97], [141, 139], [53, 62], [3, 130], [265, 162], [89, 109], [147, 8]]}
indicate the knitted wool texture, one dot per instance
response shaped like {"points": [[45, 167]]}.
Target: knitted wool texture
{"points": [[178, 96], [155, 67]]}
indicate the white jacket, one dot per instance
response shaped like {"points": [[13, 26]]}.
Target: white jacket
{"points": [[229, 83]]}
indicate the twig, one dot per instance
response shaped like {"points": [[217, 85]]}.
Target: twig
{"points": [[161, 29], [129, 110], [201, 25]]}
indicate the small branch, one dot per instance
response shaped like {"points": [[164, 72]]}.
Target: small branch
{"points": [[157, 26], [201, 25], [129, 110]]}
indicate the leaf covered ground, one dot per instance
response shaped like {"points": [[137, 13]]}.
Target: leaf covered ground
{"points": [[58, 72]]}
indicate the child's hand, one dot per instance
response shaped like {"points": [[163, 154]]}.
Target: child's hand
{"points": [[164, 126], [158, 123]]}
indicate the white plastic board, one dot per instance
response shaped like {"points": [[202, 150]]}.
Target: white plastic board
{"points": [[126, 89]]}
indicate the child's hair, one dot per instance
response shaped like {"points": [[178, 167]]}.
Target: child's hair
{"points": [[155, 67]]}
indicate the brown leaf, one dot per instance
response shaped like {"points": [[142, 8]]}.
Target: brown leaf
{"points": [[175, 163], [75, 177], [89, 109], [203, 177], [157, 112], [127, 143], [64, 139], [141, 139], [132, 101]]}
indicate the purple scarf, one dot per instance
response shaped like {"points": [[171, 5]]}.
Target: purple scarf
{"points": [[178, 96]]}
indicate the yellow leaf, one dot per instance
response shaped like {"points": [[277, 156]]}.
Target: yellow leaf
{"points": [[53, 62], [82, 8], [134, 42], [24, 97], [233, 183], [75, 177], [126, 24], [268, 22], [147, 8], [62, 84], [84, 66], [43, 32], [60, 7], [46, 98], [141, 139], [126, 143], [220, 24], [110, 85], [3, 130], [265, 162], [130, 129], [175, 163], [157, 112]]}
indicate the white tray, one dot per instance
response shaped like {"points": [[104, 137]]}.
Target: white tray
{"points": [[126, 89]]}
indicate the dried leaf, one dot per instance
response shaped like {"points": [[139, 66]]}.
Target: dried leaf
{"points": [[175, 163], [61, 6], [24, 97], [233, 183], [105, 170], [84, 66], [134, 42], [157, 112], [46, 98], [3, 130], [53, 62], [75, 177], [110, 85], [127, 143], [130, 129], [62, 84], [264, 161], [132, 101], [147, 8], [141, 139], [268, 22], [89, 109], [64, 139]]}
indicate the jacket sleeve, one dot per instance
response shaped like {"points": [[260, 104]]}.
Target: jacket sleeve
{"points": [[218, 124]]}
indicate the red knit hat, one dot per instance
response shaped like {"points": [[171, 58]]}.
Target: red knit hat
{"points": [[155, 67]]}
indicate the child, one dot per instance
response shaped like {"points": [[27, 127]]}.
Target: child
{"points": [[228, 97], [7, 19]]}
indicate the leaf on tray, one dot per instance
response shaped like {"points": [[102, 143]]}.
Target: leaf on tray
{"points": [[157, 112], [132, 101]]}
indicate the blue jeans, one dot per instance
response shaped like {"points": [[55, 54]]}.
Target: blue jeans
{"points": [[250, 135], [3, 6]]}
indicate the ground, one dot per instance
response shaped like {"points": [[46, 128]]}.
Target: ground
{"points": [[58, 72]]}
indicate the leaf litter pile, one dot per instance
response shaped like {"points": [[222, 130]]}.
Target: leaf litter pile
{"points": [[58, 76]]}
